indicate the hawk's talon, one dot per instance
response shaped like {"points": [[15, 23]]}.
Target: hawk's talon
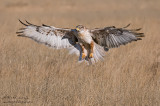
{"points": [[83, 55], [91, 55]]}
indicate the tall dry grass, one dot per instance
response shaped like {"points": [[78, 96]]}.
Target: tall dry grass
{"points": [[35, 75]]}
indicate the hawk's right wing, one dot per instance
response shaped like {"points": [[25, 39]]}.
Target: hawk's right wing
{"points": [[48, 35], [110, 37]]}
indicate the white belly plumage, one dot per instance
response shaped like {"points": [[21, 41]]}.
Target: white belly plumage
{"points": [[85, 37]]}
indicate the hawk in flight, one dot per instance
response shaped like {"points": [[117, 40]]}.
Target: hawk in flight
{"points": [[89, 44]]}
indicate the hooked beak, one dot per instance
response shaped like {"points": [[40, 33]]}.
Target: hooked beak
{"points": [[77, 29]]}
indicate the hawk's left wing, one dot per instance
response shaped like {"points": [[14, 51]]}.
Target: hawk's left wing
{"points": [[48, 35], [110, 37]]}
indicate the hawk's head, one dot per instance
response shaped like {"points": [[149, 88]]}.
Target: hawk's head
{"points": [[80, 28]]}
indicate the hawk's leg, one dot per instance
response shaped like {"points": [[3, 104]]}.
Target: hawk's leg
{"points": [[83, 54], [91, 49]]}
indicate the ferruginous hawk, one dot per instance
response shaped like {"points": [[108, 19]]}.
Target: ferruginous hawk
{"points": [[89, 44]]}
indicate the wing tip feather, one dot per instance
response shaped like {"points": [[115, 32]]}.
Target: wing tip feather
{"points": [[22, 22], [127, 26]]}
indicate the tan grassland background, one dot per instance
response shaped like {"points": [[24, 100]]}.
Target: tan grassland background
{"points": [[32, 74]]}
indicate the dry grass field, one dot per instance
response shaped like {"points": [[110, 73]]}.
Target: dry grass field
{"points": [[32, 74]]}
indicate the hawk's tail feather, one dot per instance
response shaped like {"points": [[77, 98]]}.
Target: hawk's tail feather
{"points": [[98, 54]]}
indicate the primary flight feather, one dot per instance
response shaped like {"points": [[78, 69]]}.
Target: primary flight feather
{"points": [[89, 44]]}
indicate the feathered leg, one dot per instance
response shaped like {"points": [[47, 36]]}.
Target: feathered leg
{"points": [[91, 49], [83, 54]]}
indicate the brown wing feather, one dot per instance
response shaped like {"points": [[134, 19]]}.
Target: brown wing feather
{"points": [[111, 37]]}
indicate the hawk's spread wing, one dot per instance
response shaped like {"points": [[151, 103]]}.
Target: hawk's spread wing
{"points": [[111, 37], [48, 35]]}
